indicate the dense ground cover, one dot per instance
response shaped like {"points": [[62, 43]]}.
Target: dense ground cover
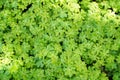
{"points": [[59, 40]]}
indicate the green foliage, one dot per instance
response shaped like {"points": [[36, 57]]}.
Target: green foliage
{"points": [[59, 40]]}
